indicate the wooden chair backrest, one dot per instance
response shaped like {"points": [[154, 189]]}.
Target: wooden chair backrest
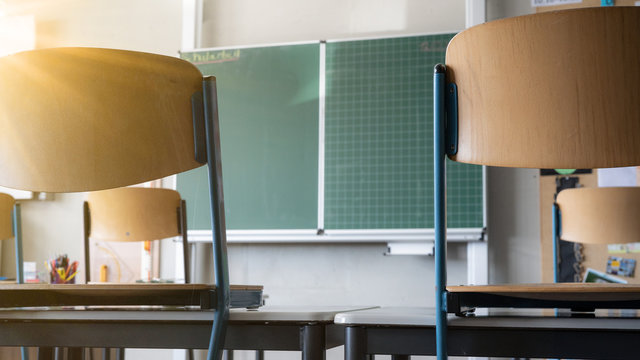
{"points": [[6, 223], [134, 214], [84, 119], [550, 90], [607, 215]]}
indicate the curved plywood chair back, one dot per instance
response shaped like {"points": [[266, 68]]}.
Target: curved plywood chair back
{"points": [[133, 214], [551, 90], [6, 208], [83, 119], [608, 215]]}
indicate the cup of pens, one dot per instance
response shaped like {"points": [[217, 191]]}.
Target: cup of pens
{"points": [[61, 271]]}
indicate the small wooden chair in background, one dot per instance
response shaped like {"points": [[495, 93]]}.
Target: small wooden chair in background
{"points": [[134, 214], [600, 215]]}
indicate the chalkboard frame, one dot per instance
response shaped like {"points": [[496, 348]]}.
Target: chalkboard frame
{"points": [[320, 234]]}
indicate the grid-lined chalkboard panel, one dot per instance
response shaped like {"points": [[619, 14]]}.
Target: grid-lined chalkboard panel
{"points": [[379, 138]]}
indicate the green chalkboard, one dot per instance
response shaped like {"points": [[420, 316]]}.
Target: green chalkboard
{"points": [[379, 138], [268, 109], [378, 126]]}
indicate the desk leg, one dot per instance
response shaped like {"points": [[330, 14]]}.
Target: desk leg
{"points": [[313, 342], [355, 343], [106, 353], [400, 357], [45, 353], [120, 354], [259, 354], [75, 353]]}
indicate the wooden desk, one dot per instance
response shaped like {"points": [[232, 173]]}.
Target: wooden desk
{"points": [[148, 294], [576, 296], [505, 333], [307, 329]]}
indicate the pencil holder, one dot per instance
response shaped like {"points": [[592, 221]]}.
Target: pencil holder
{"points": [[61, 271]]}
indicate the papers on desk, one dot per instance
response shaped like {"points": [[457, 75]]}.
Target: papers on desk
{"points": [[595, 276]]}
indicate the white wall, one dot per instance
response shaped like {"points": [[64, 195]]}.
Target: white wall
{"points": [[498, 9], [243, 22]]}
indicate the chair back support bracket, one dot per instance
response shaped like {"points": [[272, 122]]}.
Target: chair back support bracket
{"points": [[557, 232], [179, 212], [451, 120], [87, 234], [199, 134]]}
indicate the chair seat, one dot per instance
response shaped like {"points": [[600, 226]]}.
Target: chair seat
{"points": [[202, 295], [577, 296]]}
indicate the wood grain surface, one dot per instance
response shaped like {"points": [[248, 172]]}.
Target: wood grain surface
{"points": [[550, 90], [83, 119], [561, 291], [544, 287], [133, 214], [600, 215], [6, 222], [30, 295], [121, 287]]}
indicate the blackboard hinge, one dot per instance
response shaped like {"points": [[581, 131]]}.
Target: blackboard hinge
{"points": [[199, 135], [451, 120]]}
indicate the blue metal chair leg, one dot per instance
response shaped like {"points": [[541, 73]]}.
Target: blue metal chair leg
{"points": [[220, 264], [24, 353], [440, 215], [17, 235]]}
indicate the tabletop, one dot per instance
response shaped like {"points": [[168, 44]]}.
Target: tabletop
{"points": [[504, 318], [269, 328], [293, 313], [528, 333]]}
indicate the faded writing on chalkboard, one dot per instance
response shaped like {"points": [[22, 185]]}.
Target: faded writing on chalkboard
{"points": [[211, 57], [434, 45]]}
